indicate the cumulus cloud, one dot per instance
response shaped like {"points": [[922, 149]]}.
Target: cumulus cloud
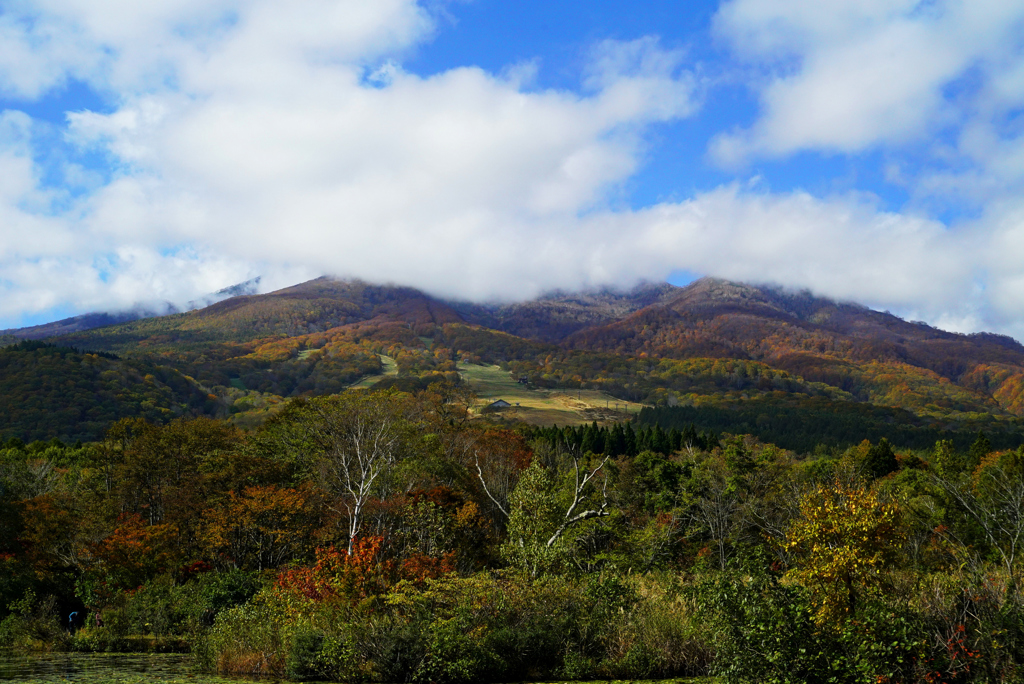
{"points": [[938, 88], [286, 140], [266, 134], [850, 75]]}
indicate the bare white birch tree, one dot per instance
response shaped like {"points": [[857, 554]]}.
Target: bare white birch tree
{"points": [[352, 441]]}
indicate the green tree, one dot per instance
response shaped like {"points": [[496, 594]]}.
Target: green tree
{"points": [[978, 451], [880, 459], [992, 501], [350, 443], [549, 508], [948, 462]]}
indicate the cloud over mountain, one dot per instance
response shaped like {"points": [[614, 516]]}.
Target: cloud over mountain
{"points": [[288, 139]]}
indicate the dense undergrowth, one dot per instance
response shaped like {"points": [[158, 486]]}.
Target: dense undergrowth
{"points": [[383, 537]]}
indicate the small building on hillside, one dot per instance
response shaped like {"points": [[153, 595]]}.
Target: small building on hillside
{"points": [[495, 406]]}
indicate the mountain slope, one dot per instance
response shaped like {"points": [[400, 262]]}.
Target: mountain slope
{"points": [[875, 356], [48, 391], [314, 338], [760, 354], [557, 315], [866, 355], [89, 321], [310, 307], [68, 326]]}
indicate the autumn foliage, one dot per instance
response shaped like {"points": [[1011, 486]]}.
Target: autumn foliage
{"points": [[842, 542]]}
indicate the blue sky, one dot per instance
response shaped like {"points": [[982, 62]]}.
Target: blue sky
{"points": [[866, 150], [558, 37]]}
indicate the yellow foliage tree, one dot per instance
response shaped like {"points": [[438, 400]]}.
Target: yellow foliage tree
{"points": [[843, 540]]}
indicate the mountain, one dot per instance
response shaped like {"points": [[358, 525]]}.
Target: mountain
{"points": [[311, 307], [873, 355], [757, 355], [743, 321]]}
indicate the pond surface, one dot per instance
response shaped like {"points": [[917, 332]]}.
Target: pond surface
{"points": [[138, 668], [101, 668]]}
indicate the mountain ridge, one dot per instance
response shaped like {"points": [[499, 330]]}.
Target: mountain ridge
{"points": [[554, 316], [713, 342]]}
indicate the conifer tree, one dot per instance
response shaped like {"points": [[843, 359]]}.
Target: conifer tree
{"points": [[632, 446], [880, 459], [978, 451], [592, 441]]}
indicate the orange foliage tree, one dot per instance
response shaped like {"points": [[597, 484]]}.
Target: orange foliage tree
{"points": [[260, 528], [131, 554]]}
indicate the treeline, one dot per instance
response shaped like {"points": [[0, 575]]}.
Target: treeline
{"points": [[803, 425], [382, 536], [50, 348], [49, 391], [621, 439]]}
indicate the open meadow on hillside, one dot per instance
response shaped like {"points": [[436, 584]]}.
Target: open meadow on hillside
{"points": [[540, 406]]}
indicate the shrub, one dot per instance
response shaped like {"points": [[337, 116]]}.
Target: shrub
{"points": [[659, 634], [502, 627], [102, 640], [770, 634], [166, 607], [34, 623], [767, 632], [210, 593], [974, 623], [155, 608], [392, 646], [302, 655], [252, 638]]}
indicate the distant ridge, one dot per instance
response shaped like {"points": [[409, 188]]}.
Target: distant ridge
{"points": [[93, 320], [80, 323], [554, 316], [249, 287]]}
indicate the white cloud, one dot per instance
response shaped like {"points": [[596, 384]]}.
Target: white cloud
{"points": [[842, 247], [264, 133], [285, 139], [936, 86], [850, 75], [420, 180]]}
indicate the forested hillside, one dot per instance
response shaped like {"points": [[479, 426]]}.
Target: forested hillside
{"points": [[839, 370], [875, 357], [554, 317], [49, 391]]}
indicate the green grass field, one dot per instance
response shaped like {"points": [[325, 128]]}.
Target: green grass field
{"points": [[535, 406], [390, 369], [541, 406]]}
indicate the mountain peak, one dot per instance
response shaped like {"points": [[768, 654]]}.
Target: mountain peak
{"points": [[710, 290]]}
